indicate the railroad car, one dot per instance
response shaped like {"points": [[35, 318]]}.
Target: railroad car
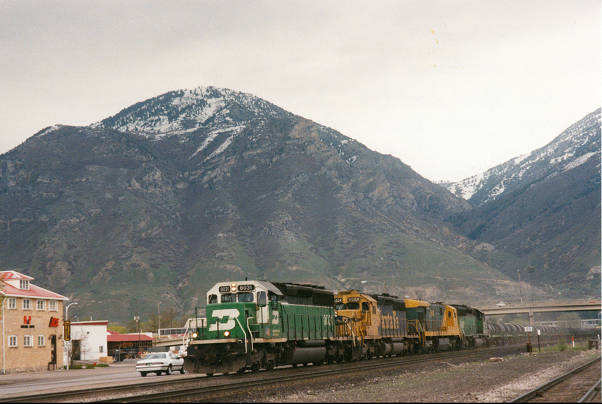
{"points": [[393, 327], [357, 320], [435, 323], [472, 324], [375, 322], [261, 324]]}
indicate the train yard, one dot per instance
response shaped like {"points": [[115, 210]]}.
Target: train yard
{"points": [[577, 385], [264, 385]]}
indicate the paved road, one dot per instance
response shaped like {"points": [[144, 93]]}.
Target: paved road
{"points": [[14, 384]]}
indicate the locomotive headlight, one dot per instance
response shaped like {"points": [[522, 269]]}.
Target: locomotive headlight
{"points": [[226, 333], [194, 335], [233, 287]]}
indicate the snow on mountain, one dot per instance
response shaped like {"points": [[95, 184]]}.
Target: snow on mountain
{"points": [[571, 148], [184, 111]]}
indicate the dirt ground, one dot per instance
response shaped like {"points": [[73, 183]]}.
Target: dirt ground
{"points": [[446, 382]]}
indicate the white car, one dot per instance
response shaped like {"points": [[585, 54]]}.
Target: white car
{"points": [[159, 362]]}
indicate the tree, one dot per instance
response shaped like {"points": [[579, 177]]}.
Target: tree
{"points": [[117, 328]]}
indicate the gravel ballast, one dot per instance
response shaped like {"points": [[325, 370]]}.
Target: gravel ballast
{"points": [[490, 381]]}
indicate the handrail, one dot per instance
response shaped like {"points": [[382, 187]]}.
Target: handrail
{"points": [[250, 333]]}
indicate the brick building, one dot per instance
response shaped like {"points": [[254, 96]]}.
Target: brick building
{"points": [[31, 318]]}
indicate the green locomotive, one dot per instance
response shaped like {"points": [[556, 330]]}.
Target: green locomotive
{"points": [[261, 324]]}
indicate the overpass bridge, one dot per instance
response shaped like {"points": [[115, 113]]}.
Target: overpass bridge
{"points": [[542, 307]]}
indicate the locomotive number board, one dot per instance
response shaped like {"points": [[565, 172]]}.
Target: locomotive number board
{"points": [[338, 300], [246, 288], [224, 288], [353, 299]]}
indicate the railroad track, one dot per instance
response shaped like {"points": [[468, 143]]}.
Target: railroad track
{"points": [[577, 385], [277, 382], [208, 388]]}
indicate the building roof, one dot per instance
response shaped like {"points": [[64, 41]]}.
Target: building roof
{"points": [[6, 275], [116, 337], [9, 290], [90, 322]]}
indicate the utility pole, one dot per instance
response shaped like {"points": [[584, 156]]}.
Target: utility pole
{"points": [[158, 321], [531, 271], [520, 288]]}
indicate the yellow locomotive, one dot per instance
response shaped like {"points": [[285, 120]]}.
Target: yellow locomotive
{"points": [[387, 325]]}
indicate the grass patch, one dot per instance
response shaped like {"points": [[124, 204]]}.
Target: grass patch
{"points": [[562, 346]]}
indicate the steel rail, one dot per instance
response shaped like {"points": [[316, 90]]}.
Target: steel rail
{"points": [[546, 386], [78, 394], [591, 393], [206, 393]]}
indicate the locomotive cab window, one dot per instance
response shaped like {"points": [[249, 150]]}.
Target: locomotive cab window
{"points": [[228, 298], [261, 299], [365, 306], [449, 314], [212, 299], [339, 306], [353, 306], [245, 297]]}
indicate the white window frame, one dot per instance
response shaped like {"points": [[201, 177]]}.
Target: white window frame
{"points": [[42, 303], [41, 340], [13, 341], [52, 305], [28, 304], [12, 303], [28, 341], [23, 284]]}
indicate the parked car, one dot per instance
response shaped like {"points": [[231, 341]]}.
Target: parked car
{"points": [[159, 362]]}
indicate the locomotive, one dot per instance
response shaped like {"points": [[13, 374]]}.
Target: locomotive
{"points": [[261, 324]]}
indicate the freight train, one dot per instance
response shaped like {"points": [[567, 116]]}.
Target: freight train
{"points": [[260, 324]]}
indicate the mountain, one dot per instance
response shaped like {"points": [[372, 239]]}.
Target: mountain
{"points": [[542, 210], [573, 147], [172, 194]]}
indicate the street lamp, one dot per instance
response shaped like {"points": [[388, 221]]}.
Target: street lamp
{"points": [[3, 301], [67, 344], [137, 319]]}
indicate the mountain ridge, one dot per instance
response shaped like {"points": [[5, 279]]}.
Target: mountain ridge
{"points": [[578, 141], [125, 211]]}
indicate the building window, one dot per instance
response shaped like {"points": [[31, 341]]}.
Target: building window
{"points": [[41, 340], [28, 340], [26, 304], [41, 304], [12, 341], [12, 303], [52, 305], [23, 284], [100, 348]]}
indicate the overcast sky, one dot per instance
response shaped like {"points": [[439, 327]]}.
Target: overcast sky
{"points": [[451, 88]]}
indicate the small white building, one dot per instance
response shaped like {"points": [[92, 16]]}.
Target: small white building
{"points": [[88, 340]]}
